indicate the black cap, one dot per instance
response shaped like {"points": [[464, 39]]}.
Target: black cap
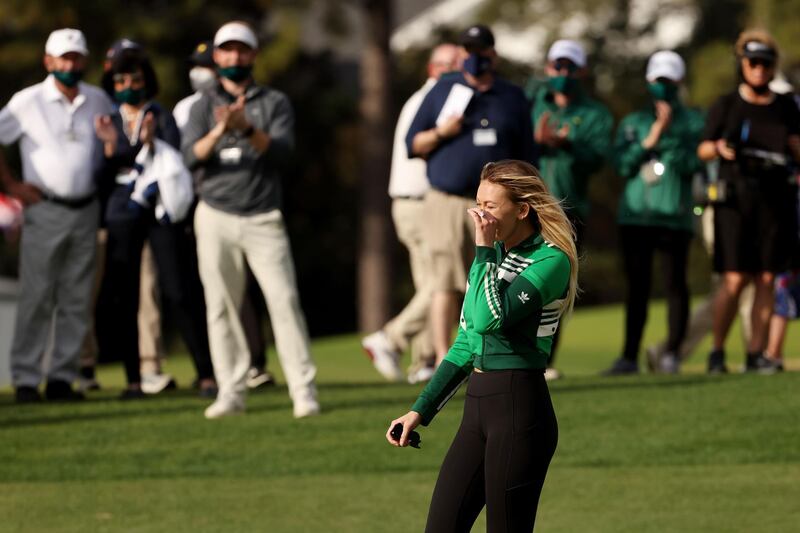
{"points": [[477, 37], [759, 50], [123, 45], [202, 55]]}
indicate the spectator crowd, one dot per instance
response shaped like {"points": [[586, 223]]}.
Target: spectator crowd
{"points": [[126, 207]]}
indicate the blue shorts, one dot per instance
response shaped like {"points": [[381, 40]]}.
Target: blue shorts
{"points": [[787, 294]]}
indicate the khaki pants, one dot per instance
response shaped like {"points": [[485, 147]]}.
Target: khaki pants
{"points": [[224, 242], [450, 237], [151, 349], [411, 326]]}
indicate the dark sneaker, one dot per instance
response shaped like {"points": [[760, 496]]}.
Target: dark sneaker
{"points": [[622, 367], [716, 362], [61, 391], [132, 394], [756, 362], [27, 395]]}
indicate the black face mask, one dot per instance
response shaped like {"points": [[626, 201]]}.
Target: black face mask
{"points": [[477, 65], [760, 89]]}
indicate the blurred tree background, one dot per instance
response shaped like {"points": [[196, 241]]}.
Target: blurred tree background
{"points": [[330, 56]]}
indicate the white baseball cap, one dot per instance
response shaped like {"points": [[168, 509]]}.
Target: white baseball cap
{"points": [[665, 64], [64, 41], [236, 31], [566, 49]]}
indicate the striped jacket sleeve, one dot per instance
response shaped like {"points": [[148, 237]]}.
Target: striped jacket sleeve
{"points": [[452, 372]]}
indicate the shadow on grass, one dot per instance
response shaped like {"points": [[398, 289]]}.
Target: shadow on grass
{"points": [[640, 382]]}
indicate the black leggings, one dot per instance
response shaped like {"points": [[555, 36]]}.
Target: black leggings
{"points": [[639, 243], [499, 457]]}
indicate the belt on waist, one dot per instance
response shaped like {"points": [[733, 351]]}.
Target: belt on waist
{"points": [[72, 203], [418, 198]]}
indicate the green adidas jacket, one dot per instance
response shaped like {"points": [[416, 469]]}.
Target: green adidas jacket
{"points": [[566, 171], [667, 202], [511, 311]]}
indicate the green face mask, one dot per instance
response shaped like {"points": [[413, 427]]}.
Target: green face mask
{"points": [[68, 78], [660, 90], [129, 96], [236, 73], [561, 84]]}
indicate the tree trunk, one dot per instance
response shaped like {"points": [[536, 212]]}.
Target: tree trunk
{"points": [[374, 261]]}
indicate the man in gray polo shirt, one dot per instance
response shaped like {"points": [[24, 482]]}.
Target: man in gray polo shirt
{"points": [[240, 134]]}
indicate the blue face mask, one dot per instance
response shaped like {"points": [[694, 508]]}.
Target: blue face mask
{"points": [[69, 78], [477, 65]]}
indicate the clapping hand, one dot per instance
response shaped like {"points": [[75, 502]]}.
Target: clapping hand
{"points": [[148, 130], [548, 135], [232, 116], [105, 130]]}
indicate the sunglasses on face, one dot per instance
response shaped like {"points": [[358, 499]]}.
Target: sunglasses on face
{"points": [[565, 64], [758, 62], [133, 79]]}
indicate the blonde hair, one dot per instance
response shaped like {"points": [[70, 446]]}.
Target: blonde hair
{"points": [[757, 35], [524, 185]]}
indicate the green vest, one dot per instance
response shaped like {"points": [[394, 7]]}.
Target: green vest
{"points": [[649, 199], [511, 311]]}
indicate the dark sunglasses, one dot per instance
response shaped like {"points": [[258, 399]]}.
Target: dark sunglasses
{"points": [[758, 62], [134, 78], [565, 64]]}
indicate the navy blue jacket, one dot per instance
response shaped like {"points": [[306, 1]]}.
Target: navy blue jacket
{"points": [[454, 167]]}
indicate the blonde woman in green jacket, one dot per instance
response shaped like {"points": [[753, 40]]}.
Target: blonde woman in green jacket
{"points": [[522, 283], [655, 153]]}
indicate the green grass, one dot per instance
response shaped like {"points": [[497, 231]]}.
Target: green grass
{"points": [[643, 454]]}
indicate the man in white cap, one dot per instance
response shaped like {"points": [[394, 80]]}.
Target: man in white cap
{"points": [[655, 154], [573, 133], [408, 183], [53, 121], [240, 134]]}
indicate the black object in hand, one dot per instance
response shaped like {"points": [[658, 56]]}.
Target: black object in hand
{"points": [[414, 439]]}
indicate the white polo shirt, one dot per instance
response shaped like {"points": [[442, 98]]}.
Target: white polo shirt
{"points": [[409, 177], [57, 141]]}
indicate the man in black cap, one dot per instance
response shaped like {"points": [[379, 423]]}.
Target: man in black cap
{"points": [[118, 47], [202, 76], [457, 141]]}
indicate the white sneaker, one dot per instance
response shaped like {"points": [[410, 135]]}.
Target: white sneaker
{"points": [[225, 406], [306, 408], [155, 383], [669, 364], [385, 359], [551, 374], [257, 378], [422, 375]]}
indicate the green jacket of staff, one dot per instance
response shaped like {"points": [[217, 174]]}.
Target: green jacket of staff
{"points": [[658, 182], [566, 171]]}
